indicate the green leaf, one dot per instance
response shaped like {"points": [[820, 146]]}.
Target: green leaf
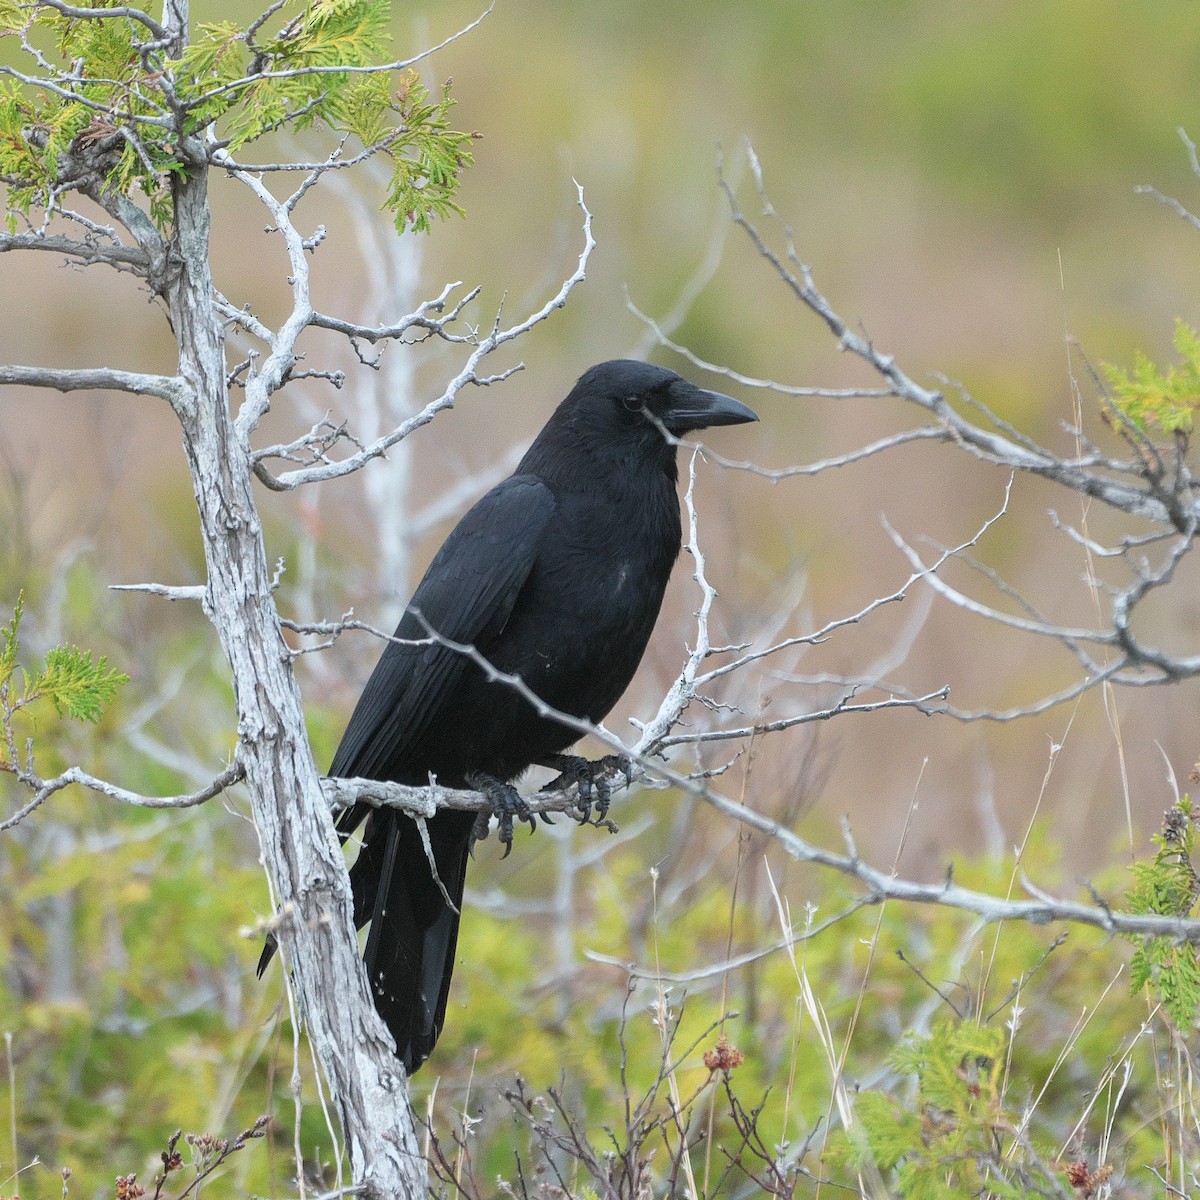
{"points": [[216, 57], [75, 685], [950, 1141], [1168, 886], [10, 645], [112, 97], [14, 16], [427, 160], [337, 33], [362, 108], [894, 1130], [1150, 398], [1140, 970]]}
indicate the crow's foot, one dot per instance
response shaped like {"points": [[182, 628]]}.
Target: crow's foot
{"points": [[506, 803], [592, 779]]}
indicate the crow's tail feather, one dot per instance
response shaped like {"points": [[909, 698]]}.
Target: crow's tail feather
{"points": [[410, 949]]}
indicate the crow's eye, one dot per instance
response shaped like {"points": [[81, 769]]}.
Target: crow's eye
{"points": [[633, 404]]}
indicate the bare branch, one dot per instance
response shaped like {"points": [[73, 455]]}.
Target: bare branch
{"points": [[467, 375], [332, 630], [221, 157], [1093, 547], [45, 788], [88, 252], [245, 320], [1169, 202], [880, 885], [420, 319], [717, 970], [924, 433], [171, 388], [784, 389], [92, 14], [883, 886], [921, 572], [262, 382], [57, 82], [1069, 636], [983, 444], [924, 704], [195, 593]]}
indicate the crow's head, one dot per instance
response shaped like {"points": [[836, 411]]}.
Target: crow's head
{"points": [[623, 414], [628, 395]]}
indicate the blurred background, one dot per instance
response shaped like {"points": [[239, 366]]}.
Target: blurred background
{"points": [[960, 178]]}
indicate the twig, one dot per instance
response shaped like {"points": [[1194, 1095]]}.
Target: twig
{"points": [[467, 375], [45, 788]]}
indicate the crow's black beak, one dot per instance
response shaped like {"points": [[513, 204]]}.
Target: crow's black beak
{"points": [[694, 408]]}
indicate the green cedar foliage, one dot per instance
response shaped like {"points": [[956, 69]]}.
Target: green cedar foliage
{"points": [[1153, 399], [75, 684], [106, 97], [955, 1137], [1169, 886]]}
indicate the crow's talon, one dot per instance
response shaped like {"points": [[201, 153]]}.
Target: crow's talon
{"points": [[506, 803], [479, 832], [591, 778]]}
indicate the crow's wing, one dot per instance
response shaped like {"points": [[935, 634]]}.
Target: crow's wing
{"points": [[467, 596]]}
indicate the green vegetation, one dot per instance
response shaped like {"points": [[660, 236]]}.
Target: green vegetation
{"points": [[135, 1012], [68, 678], [1153, 399], [1168, 885], [955, 1138], [123, 109]]}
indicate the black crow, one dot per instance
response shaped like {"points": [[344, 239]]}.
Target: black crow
{"points": [[556, 576]]}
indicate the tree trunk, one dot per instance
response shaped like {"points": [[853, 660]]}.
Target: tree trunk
{"points": [[293, 820]]}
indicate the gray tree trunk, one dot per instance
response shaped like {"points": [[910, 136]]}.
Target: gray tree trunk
{"points": [[293, 819]]}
